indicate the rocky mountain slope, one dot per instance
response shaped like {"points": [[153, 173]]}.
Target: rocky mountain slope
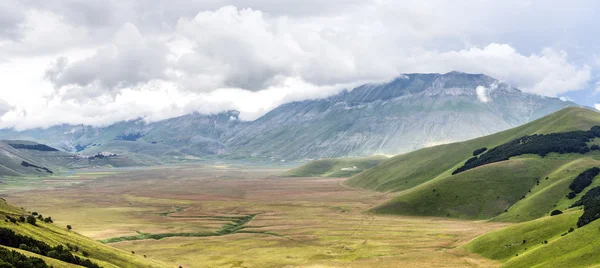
{"points": [[410, 112]]}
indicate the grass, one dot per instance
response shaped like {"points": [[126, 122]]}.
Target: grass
{"points": [[409, 170], [576, 249], [304, 222], [54, 235], [506, 243], [486, 191], [236, 225], [335, 168], [480, 193], [550, 194]]}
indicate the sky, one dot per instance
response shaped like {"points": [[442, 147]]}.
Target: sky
{"points": [[98, 62]]}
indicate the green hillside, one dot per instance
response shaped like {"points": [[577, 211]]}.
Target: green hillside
{"points": [[335, 168], [518, 186], [54, 235], [563, 248]]}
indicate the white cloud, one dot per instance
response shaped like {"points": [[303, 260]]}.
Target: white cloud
{"points": [[158, 59], [482, 94], [129, 61]]}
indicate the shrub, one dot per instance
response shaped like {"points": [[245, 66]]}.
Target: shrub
{"points": [[31, 220], [584, 179], [479, 151], [22, 218], [555, 212], [69, 227]]}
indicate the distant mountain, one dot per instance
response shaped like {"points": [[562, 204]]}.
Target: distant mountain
{"points": [[188, 135], [410, 112], [26, 158]]}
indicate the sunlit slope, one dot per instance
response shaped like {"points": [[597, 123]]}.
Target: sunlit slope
{"points": [[513, 190], [563, 248], [336, 167], [54, 235], [409, 170]]}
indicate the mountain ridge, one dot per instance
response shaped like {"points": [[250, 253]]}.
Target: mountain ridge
{"points": [[407, 113]]}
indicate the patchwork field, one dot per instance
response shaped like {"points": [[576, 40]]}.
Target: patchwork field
{"points": [[202, 216]]}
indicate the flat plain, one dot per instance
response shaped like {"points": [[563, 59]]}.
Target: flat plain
{"points": [[227, 216]]}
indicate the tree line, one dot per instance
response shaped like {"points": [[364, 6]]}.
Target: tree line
{"points": [[11, 239], [540, 144]]}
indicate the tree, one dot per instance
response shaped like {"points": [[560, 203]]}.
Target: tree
{"points": [[69, 227], [22, 218], [556, 212], [31, 220]]}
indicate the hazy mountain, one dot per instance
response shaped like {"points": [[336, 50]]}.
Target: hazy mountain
{"points": [[192, 134], [410, 112]]}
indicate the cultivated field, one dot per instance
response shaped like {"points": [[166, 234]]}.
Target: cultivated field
{"points": [[219, 216]]}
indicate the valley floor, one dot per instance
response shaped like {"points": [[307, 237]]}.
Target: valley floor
{"points": [[219, 216]]}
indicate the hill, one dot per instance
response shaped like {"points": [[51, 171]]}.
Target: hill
{"points": [[408, 113], [335, 168], [19, 158], [27, 158], [545, 242], [75, 247], [522, 188]]}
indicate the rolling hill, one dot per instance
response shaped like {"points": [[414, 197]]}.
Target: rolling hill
{"points": [[546, 242], [53, 236], [335, 168], [27, 158], [522, 188]]}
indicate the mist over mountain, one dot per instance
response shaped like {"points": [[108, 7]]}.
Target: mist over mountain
{"points": [[410, 112]]}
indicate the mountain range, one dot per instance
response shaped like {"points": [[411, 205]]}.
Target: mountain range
{"points": [[410, 112]]}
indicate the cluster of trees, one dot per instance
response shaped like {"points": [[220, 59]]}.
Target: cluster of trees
{"points": [[27, 164], [591, 206], [37, 147], [129, 137], [101, 156], [13, 259], [31, 219], [10, 239], [582, 181], [555, 212], [568, 142], [479, 151]]}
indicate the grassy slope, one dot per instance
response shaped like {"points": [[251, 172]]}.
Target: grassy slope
{"points": [[409, 170], [333, 167], [51, 262], [54, 235], [576, 249], [485, 191]]}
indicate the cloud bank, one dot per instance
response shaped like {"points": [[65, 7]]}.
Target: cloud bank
{"points": [[78, 62]]}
